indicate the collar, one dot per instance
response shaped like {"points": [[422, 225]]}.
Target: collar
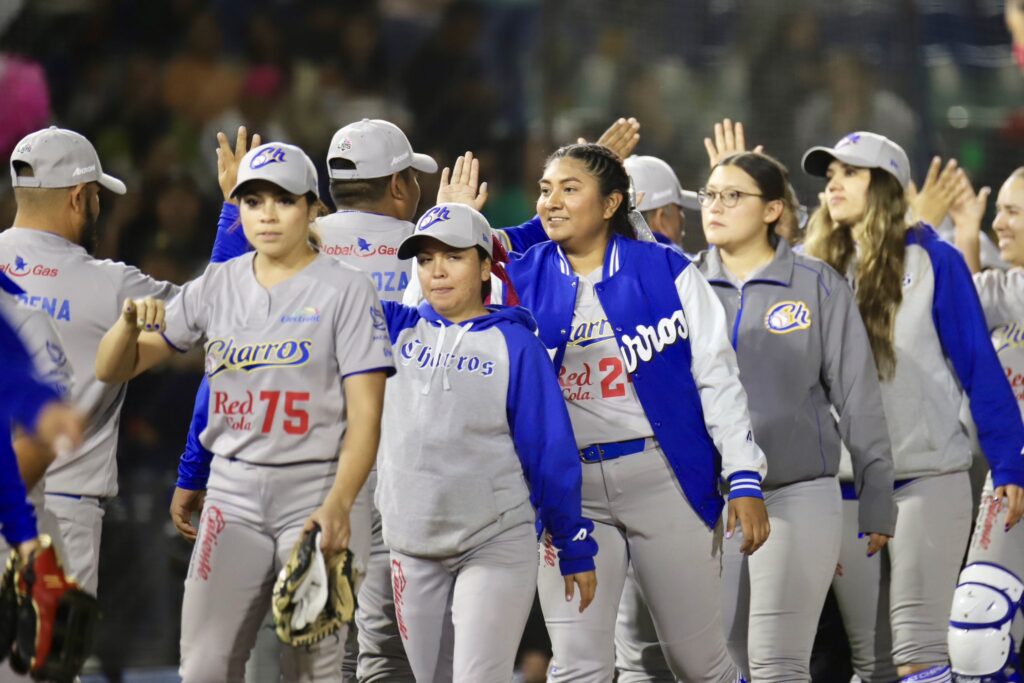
{"points": [[42, 238], [778, 271], [612, 258]]}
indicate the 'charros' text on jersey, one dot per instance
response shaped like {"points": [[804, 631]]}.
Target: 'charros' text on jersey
{"points": [[224, 354], [651, 339], [423, 356]]}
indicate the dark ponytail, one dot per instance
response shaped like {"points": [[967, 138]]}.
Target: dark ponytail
{"points": [[610, 173]]}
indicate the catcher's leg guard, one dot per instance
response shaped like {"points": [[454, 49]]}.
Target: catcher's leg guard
{"points": [[980, 645]]}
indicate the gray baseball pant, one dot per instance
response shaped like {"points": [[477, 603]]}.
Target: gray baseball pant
{"points": [[638, 655], [641, 519], [924, 560], [991, 543], [381, 653], [80, 519], [772, 599], [461, 618], [252, 518]]}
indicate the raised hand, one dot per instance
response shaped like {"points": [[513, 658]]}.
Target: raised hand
{"points": [[228, 159], [967, 212], [144, 315], [621, 137], [462, 185], [729, 139], [931, 203]]}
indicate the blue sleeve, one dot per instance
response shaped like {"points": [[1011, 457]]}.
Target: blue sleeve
{"points": [[960, 324], [22, 395], [399, 317], [194, 465], [519, 238], [17, 518], [230, 241], [542, 433]]}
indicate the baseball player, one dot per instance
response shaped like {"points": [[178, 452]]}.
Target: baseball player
{"points": [[296, 358], [374, 183], [929, 339], [661, 199], [985, 623], [57, 178], [476, 444], [29, 401], [634, 331]]}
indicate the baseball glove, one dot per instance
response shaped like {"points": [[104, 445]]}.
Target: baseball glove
{"points": [[313, 597], [55, 618]]}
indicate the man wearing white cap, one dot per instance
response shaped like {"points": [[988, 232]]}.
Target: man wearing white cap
{"points": [[57, 177], [660, 198]]}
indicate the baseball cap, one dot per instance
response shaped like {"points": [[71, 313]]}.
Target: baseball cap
{"points": [[456, 225], [279, 163], [863, 149], [658, 183], [60, 158], [378, 148]]}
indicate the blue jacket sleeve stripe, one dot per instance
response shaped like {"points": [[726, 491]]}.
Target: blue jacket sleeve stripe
{"points": [[960, 324], [542, 433]]}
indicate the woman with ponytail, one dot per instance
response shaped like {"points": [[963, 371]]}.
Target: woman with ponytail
{"points": [[931, 345], [660, 420]]}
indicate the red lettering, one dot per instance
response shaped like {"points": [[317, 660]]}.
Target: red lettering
{"points": [[300, 424], [398, 584], [271, 397], [609, 387], [214, 524]]}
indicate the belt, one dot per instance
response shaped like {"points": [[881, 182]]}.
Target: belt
{"points": [[609, 451]]}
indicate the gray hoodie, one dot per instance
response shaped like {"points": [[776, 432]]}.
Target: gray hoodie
{"points": [[802, 350]]}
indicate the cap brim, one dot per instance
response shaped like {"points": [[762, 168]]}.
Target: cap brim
{"points": [[112, 184], [817, 159], [410, 246], [690, 200], [424, 163]]}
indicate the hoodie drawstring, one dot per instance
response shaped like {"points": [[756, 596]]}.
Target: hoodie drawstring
{"points": [[439, 351], [446, 383]]}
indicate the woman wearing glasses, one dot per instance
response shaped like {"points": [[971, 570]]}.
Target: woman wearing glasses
{"points": [[802, 351]]}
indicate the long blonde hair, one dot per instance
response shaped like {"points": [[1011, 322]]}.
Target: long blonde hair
{"points": [[878, 275]]}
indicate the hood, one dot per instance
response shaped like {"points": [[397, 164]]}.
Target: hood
{"points": [[497, 315]]}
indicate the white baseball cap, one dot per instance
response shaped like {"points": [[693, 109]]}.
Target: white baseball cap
{"points": [[658, 183], [60, 158], [863, 149], [279, 163], [456, 225], [377, 148]]}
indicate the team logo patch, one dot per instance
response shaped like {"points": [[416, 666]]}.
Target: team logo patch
{"points": [[851, 139], [56, 354], [363, 245], [26, 148], [377, 316], [435, 215], [587, 333], [345, 145], [267, 155], [21, 268], [788, 316]]}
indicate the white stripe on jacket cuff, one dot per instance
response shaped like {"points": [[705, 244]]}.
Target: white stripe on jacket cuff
{"points": [[745, 484]]}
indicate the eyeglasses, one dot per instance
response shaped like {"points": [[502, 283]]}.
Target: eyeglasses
{"points": [[730, 198]]}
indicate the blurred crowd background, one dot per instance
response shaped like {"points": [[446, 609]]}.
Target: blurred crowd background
{"points": [[151, 83]]}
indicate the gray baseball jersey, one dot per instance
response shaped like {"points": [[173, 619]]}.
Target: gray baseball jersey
{"points": [[602, 402], [83, 295], [38, 333], [369, 242], [275, 357]]}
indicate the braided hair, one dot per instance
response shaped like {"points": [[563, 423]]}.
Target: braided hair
{"points": [[607, 168]]}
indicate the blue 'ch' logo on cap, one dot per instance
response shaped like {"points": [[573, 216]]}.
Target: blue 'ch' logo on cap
{"points": [[435, 215], [851, 139], [268, 155]]}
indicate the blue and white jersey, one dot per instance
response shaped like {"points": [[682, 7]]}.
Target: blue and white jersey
{"points": [[476, 438]]}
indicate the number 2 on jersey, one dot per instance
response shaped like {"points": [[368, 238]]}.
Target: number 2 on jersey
{"points": [[610, 387], [299, 422]]}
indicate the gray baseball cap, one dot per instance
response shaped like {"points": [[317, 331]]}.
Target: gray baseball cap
{"points": [[456, 225], [378, 148], [60, 158], [658, 183], [279, 163], [863, 149]]}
